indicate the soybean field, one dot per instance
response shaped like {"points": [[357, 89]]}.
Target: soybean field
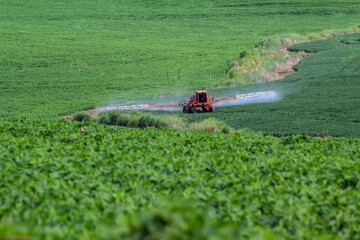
{"points": [[70, 180], [58, 57], [320, 99]]}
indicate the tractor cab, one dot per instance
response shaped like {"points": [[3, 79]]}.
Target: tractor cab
{"points": [[201, 96], [199, 99]]}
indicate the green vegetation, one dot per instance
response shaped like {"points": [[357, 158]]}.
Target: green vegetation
{"points": [[165, 175], [59, 57], [143, 119], [321, 98], [82, 116], [270, 60], [83, 180]]}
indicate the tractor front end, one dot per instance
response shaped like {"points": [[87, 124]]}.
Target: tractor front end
{"points": [[199, 99]]}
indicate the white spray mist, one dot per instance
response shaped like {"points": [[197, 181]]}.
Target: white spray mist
{"points": [[273, 97]]}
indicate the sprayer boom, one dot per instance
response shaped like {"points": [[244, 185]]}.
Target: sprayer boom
{"points": [[199, 99], [241, 96]]}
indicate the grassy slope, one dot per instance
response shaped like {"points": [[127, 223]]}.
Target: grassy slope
{"points": [[88, 181], [320, 99], [61, 56]]}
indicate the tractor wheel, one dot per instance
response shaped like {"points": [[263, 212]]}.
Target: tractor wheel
{"points": [[192, 110], [211, 109], [185, 110], [204, 109]]}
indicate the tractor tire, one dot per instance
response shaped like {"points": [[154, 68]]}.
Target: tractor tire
{"points": [[185, 110], [204, 109], [192, 110], [211, 109]]}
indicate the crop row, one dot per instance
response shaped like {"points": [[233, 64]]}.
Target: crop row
{"points": [[86, 180]]}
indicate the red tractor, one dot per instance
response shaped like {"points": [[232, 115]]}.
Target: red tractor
{"points": [[199, 99]]}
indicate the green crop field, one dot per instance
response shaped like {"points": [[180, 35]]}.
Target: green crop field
{"points": [[87, 180], [321, 98], [62, 56], [69, 180]]}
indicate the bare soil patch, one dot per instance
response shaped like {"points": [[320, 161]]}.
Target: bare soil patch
{"points": [[90, 111]]}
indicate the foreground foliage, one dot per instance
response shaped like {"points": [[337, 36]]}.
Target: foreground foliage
{"points": [[84, 180]]}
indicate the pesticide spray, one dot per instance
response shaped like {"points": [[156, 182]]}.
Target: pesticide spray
{"points": [[271, 97], [232, 100]]}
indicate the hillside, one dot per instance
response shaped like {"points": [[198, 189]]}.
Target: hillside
{"points": [[286, 169], [58, 57], [321, 98]]}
